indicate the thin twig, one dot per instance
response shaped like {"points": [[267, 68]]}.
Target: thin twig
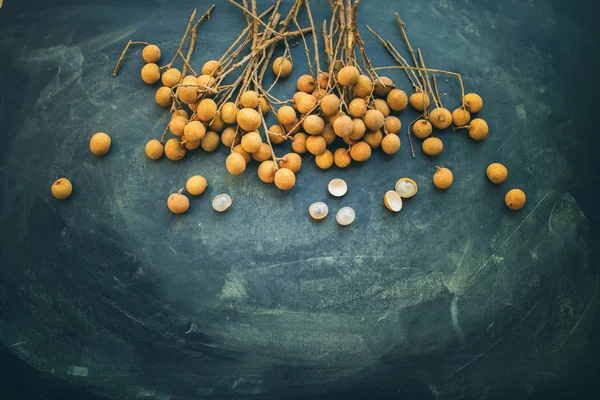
{"points": [[437, 98], [187, 30], [428, 85], [122, 58]]}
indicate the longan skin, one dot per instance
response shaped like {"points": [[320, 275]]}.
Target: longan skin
{"points": [[515, 199], [348, 75], [210, 141], [150, 73], [443, 178], [392, 124], [248, 119], [360, 152], [440, 118], [236, 164], [100, 143], [171, 77], [282, 67], [373, 119], [379, 89], [420, 101], [390, 144], [432, 146], [473, 102], [173, 150], [496, 173], [62, 188], [285, 179], [291, 161], [397, 99], [478, 129], [266, 171], [151, 53], [324, 160], [422, 129], [196, 185], [341, 158], [460, 117], [178, 203], [299, 143], [154, 149], [163, 96]]}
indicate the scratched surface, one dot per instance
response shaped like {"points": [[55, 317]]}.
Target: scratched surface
{"points": [[456, 297]]}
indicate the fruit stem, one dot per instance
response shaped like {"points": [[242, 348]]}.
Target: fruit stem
{"points": [[123, 53]]}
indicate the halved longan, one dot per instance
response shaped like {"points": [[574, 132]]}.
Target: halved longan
{"points": [[348, 75], [151, 53], [440, 118], [150, 73], [171, 77], [397, 99], [313, 124], [210, 141], [235, 163], [432, 146], [194, 131], [266, 171], [324, 160], [174, 150], [249, 119], [61, 188], [373, 119], [390, 144], [341, 158], [360, 151], [100, 143], [291, 161], [163, 96], [282, 67], [251, 142], [285, 179], [154, 149]]}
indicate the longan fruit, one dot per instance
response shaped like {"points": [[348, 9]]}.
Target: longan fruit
{"points": [[62, 188], [210, 67], [189, 80], [460, 117], [343, 126], [324, 160], [251, 142], [265, 107], [150, 73], [205, 80], [306, 104], [240, 150], [313, 124], [373, 138], [348, 75], [390, 144], [217, 124], [323, 80], [154, 149], [282, 67], [177, 125], [229, 135], [249, 119], [207, 110], [266, 171], [440, 118], [332, 118], [178, 203], [358, 129], [373, 119], [249, 99], [318, 94], [235, 163], [496, 173], [174, 150], [383, 107], [190, 144], [392, 124], [100, 143], [515, 199], [316, 145], [292, 128], [263, 153], [379, 89], [306, 84], [151, 53], [210, 141], [193, 107], [188, 94], [341, 158], [422, 128], [276, 134], [285, 179], [296, 98], [443, 178], [299, 143], [473, 102], [432, 146], [229, 112], [194, 131], [330, 105], [397, 99], [478, 129], [360, 151], [286, 115], [363, 86], [328, 134], [171, 77], [420, 101], [348, 140], [180, 113], [196, 185], [291, 161], [357, 108], [163, 96]]}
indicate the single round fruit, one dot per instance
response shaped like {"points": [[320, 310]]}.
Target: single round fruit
{"points": [[361, 151], [100, 143], [188, 94], [515, 199], [330, 105], [266, 171], [291, 161], [357, 108], [299, 143], [217, 124], [264, 105], [263, 153], [460, 117], [328, 134], [154, 149], [422, 128], [180, 113], [229, 135], [442, 179], [343, 126], [306, 104], [207, 110], [240, 150], [196, 185], [178, 203], [406, 188], [190, 144], [62, 188], [348, 75], [204, 82], [150, 73], [373, 119], [397, 99], [210, 141], [440, 118], [392, 124], [358, 129], [432, 146], [286, 115], [345, 216], [297, 97], [151, 53], [285, 179], [282, 67], [390, 144], [383, 86], [249, 99], [420, 101], [251, 142], [236, 163], [249, 119], [194, 131], [171, 77], [324, 160], [221, 202], [383, 107], [497, 173], [323, 80], [293, 128], [473, 102], [174, 150], [211, 67], [337, 187], [177, 125], [306, 84], [478, 129], [341, 158], [392, 201], [313, 124], [316, 145], [318, 210], [163, 96], [276, 134], [193, 107], [229, 112], [373, 138], [363, 86]]}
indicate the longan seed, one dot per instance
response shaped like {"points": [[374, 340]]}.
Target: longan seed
{"points": [[382, 106], [328, 134], [100, 143], [440, 118], [318, 94], [324, 160], [306, 104], [323, 80], [478, 129], [151, 53], [207, 110], [265, 107], [190, 144], [240, 150], [266, 171], [210, 141], [263, 153], [357, 108], [460, 117], [316, 145], [154, 149], [443, 178], [249, 119], [373, 138], [358, 129], [229, 135], [363, 86], [496, 173], [205, 80], [194, 131], [348, 75], [285, 179], [235, 163], [210, 67], [286, 115], [473, 102], [397, 99], [292, 128], [196, 185], [251, 142], [360, 151], [276, 134], [282, 67], [299, 143], [171, 77], [515, 199], [61, 188], [180, 113], [249, 99], [373, 119], [174, 150], [383, 86], [341, 158], [432, 146], [163, 96], [343, 126], [390, 144], [178, 203], [229, 113], [313, 124], [177, 125], [150, 73], [422, 128], [306, 84], [392, 124], [218, 124], [330, 105], [291, 161], [420, 101]]}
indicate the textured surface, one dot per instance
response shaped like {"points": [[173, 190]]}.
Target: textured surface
{"points": [[455, 297]]}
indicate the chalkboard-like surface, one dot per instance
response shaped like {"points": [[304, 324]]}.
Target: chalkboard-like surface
{"points": [[455, 297]]}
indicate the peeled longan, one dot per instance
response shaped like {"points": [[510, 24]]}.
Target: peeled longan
{"points": [[210, 141], [285, 179], [420, 101], [248, 119], [235, 163], [348, 75], [360, 151], [496, 173], [373, 119], [390, 144], [515, 199], [154, 149], [286, 115], [240, 150], [291, 161], [432, 146], [299, 143], [173, 150], [324, 160], [163, 96], [440, 118], [473, 102], [194, 131], [266, 171], [383, 86], [217, 124], [263, 153], [397, 99], [328, 134], [478, 129], [229, 112], [422, 128], [341, 158], [357, 108], [363, 86], [177, 125], [276, 134], [150, 73], [392, 124], [313, 124], [100, 143], [178, 203], [442, 179], [229, 135], [251, 142], [306, 104], [196, 185], [373, 138], [460, 117], [382, 106], [62, 188], [306, 84], [330, 105], [210, 67], [316, 145], [207, 110], [151, 53], [171, 77], [249, 99], [343, 126], [282, 67]]}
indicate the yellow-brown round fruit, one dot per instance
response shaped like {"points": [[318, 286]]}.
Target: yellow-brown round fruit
{"points": [[251, 142], [229, 135], [180, 113], [313, 124], [318, 94], [390, 144], [210, 67], [440, 118], [473, 102], [442, 179], [207, 110], [154, 149], [240, 150], [150, 73], [291, 161], [249, 99], [383, 86], [100, 143], [236, 164], [163, 96], [316, 145], [422, 128], [229, 112], [62, 188], [392, 124], [276, 134], [292, 128], [188, 94], [190, 144], [358, 129], [332, 118], [420, 101], [460, 117], [343, 126], [328, 134], [297, 97], [282, 67], [265, 107], [299, 143], [263, 153], [178, 203], [341, 158], [363, 86], [348, 75], [306, 104], [171, 77], [194, 131], [357, 108], [515, 199], [177, 125], [478, 129], [324, 160], [151, 53], [360, 151], [286, 115], [196, 185], [266, 171], [432, 146], [373, 138], [374, 119], [193, 107], [285, 179], [382, 106], [306, 84], [205, 81], [397, 99], [174, 150], [496, 173], [330, 105], [189, 80], [210, 141], [217, 124], [323, 80], [248, 119]]}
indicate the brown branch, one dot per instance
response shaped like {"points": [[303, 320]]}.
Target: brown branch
{"points": [[428, 82], [187, 64], [437, 93], [187, 30], [410, 49], [315, 39], [253, 15], [122, 58], [310, 68]]}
